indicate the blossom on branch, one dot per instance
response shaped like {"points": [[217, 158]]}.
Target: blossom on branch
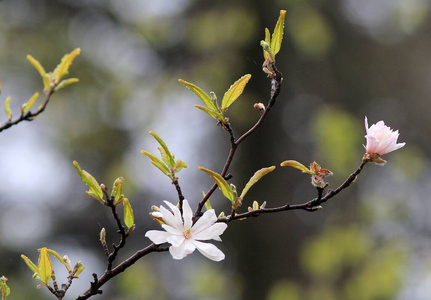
{"points": [[185, 237], [381, 139]]}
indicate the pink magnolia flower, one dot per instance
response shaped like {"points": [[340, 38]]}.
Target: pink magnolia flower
{"points": [[381, 139], [185, 237]]}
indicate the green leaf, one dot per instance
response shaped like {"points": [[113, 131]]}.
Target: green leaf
{"points": [[79, 268], [213, 114], [129, 220], [65, 83], [117, 189], [7, 108], [44, 266], [267, 41], [62, 69], [45, 77], [179, 165], [30, 103], [296, 165], [158, 163], [255, 178], [234, 91], [170, 162], [221, 182], [5, 290], [200, 93], [95, 189], [60, 259], [30, 264], [277, 35]]}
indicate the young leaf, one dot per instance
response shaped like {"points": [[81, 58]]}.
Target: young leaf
{"points": [[44, 266], [170, 162], [117, 189], [65, 83], [158, 163], [179, 165], [30, 264], [234, 91], [7, 108], [200, 93], [255, 178], [95, 189], [221, 182], [296, 165], [267, 42], [129, 220], [277, 35], [63, 68], [60, 259], [30, 102], [45, 77], [213, 114], [5, 290], [79, 268]]}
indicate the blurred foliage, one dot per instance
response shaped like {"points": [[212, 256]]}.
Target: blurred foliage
{"points": [[341, 60]]}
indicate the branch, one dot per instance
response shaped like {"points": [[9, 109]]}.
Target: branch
{"points": [[29, 116], [311, 206], [98, 283], [276, 80]]}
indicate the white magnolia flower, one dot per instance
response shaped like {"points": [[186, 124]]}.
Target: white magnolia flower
{"points": [[381, 139], [185, 237]]}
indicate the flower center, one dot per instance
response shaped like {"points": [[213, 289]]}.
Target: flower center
{"points": [[187, 233]]}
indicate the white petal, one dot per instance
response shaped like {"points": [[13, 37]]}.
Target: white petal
{"points": [[204, 222], [170, 219], [210, 233], [183, 250], [177, 214], [187, 215], [157, 236], [366, 125], [171, 229], [209, 250], [176, 240]]}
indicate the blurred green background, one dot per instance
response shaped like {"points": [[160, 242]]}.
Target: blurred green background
{"points": [[342, 60]]}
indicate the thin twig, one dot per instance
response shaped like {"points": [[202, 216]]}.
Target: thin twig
{"points": [[276, 80], [311, 206], [29, 116]]}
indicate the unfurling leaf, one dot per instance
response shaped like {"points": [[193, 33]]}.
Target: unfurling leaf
{"points": [[179, 165], [158, 163], [117, 190], [167, 157], [44, 266], [7, 110], [222, 184], [60, 259], [95, 189], [62, 69], [255, 205], [30, 264], [201, 94], [79, 267], [30, 103], [129, 219], [255, 178], [268, 42], [277, 35], [65, 83], [296, 165], [234, 91], [212, 113], [5, 290], [45, 77]]}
